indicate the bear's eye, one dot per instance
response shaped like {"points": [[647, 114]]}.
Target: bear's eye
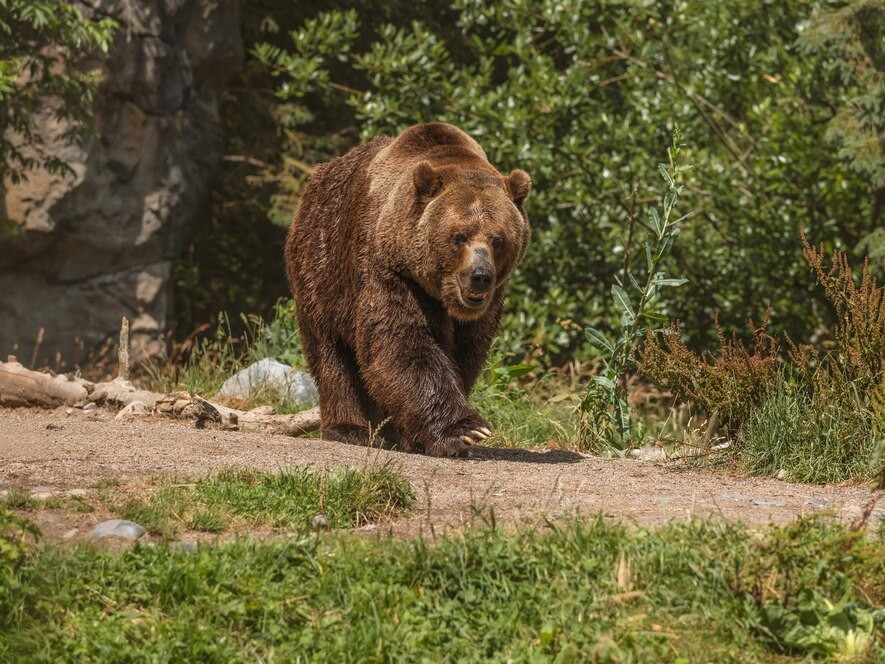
{"points": [[497, 242], [459, 239]]}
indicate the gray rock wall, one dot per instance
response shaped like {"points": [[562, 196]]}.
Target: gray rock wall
{"points": [[100, 244]]}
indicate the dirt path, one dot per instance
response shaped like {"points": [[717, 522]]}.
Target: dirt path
{"points": [[62, 452]]}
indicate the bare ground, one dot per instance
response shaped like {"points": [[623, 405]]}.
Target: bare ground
{"points": [[57, 451]]}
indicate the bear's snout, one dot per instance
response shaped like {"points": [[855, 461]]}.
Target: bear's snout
{"points": [[481, 279], [477, 277]]}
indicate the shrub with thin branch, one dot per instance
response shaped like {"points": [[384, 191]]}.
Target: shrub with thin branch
{"points": [[729, 385], [859, 333]]}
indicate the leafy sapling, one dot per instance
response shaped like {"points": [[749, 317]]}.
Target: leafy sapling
{"points": [[606, 418]]}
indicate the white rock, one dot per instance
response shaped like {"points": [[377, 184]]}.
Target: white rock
{"points": [[118, 528], [296, 385]]}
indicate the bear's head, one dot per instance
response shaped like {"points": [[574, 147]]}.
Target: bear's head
{"points": [[474, 230]]}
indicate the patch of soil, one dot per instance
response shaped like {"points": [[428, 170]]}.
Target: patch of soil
{"points": [[69, 449]]}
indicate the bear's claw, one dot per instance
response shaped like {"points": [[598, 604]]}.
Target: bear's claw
{"points": [[459, 438]]}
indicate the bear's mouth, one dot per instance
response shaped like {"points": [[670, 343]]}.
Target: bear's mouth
{"points": [[473, 299]]}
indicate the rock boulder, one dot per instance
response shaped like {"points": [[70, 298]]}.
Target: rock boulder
{"points": [[100, 243]]}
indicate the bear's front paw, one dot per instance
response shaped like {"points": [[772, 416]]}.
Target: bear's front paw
{"points": [[457, 439]]}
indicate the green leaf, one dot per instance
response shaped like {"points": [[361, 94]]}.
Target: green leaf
{"points": [[665, 174], [633, 282], [655, 219], [604, 382], [655, 316], [661, 280], [598, 340], [518, 370], [624, 417], [623, 300], [670, 282]]}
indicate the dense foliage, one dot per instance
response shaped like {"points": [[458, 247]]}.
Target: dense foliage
{"points": [[778, 101], [44, 49]]}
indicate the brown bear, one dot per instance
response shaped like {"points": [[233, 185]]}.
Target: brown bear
{"points": [[398, 257]]}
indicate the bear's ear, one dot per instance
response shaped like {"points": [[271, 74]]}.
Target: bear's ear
{"points": [[427, 181], [519, 183]]}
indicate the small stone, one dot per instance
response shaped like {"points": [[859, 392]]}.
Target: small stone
{"points": [[781, 474], [118, 528], [132, 410], [732, 496], [649, 453], [818, 502], [89, 406], [77, 493], [319, 521], [71, 534], [767, 502]]}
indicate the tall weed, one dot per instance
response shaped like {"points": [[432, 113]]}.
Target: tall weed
{"points": [[729, 385], [813, 442], [607, 422]]}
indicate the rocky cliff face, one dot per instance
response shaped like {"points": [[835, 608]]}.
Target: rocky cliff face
{"points": [[100, 244]]}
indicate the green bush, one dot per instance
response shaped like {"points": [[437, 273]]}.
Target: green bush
{"points": [[42, 52], [575, 93], [819, 417], [16, 537]]}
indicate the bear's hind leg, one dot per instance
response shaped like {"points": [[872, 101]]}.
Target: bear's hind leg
{"points": [[347, 413]]}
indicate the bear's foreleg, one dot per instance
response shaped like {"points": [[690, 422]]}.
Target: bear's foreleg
{"points": [[409, 375], [346, 411]]}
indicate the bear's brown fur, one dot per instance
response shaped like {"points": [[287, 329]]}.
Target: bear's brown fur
{"points": [[398, 257]]}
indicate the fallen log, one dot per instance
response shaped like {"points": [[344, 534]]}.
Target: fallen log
{"points": [[23, 387]]}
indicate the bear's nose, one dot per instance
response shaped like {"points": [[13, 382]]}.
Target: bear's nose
{"points": [[481, 279]]}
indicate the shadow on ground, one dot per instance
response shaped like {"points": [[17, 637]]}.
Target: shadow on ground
{"points": [[523, 456]]}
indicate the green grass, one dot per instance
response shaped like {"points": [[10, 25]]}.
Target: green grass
{"points": [[813, 444], [523, 414], [586, 591], [19, 499], [286, 500]]}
